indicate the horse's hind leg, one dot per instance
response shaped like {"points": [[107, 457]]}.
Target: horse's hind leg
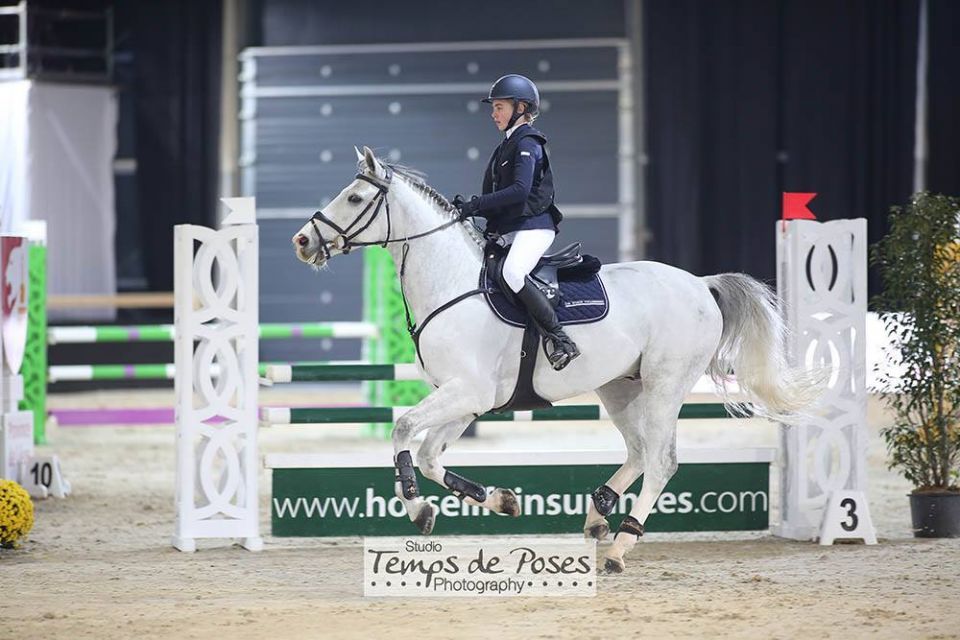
{"points": [[502, 501], [660, 411], [622, 400]]}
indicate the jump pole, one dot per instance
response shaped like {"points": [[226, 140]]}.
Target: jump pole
{"points": [[389, 415], [167, 332]]}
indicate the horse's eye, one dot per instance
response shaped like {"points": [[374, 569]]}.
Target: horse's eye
{"points": [[355, 199]]}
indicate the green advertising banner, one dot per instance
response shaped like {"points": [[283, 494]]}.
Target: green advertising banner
{"points": [[722, 491]]}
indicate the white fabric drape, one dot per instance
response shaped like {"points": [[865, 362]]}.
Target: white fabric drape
{"points": [[14, 200], [56, 164]]}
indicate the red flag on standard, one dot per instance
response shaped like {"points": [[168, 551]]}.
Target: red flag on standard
{"points": [[795, 206]]}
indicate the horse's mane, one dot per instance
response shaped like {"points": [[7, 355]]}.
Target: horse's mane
{"points": [[418, 180]]}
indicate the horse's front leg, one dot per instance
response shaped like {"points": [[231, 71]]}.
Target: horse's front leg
{"points": [[453, 401], [501, 500]]}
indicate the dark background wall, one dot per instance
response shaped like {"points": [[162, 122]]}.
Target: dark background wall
{"points": [[943, 110], [176, 95], [744, 99], [747, 99], [167, 63], [305, 22]]}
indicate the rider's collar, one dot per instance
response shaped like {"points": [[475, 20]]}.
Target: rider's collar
{"points": [[510, 131]]}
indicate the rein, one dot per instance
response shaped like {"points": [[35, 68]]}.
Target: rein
{"points": [[345, 242]]}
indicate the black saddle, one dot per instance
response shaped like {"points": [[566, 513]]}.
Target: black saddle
{"points": [[568, 264]]}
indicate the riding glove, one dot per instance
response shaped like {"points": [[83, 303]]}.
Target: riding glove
{"points": [[466, 208]]}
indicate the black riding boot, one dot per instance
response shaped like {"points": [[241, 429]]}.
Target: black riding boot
{"points": [[564, 349]]}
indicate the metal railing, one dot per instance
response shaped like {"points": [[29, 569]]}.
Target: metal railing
{"points": [[29, 58]]}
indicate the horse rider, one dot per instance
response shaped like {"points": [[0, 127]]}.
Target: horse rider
{"points": [[517, 202]]}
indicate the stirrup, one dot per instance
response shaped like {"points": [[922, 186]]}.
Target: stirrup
{"points": [[564, 352]]}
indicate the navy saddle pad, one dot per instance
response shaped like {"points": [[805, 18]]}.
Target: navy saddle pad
{"points": [[582, 301]]}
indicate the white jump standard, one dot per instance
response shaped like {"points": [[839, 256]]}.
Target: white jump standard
{"points": [[217, 326]]}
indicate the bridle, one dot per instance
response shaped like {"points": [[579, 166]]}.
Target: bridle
{"points": [[345, 241]]}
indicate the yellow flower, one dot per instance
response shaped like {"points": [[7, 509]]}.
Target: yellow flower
{"points": [[16, 513]]}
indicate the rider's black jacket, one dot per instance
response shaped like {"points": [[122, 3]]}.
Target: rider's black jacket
{"points": [[518, 185]]}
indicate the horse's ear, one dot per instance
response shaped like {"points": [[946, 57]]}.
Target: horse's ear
{"points": [[359, 154], [372, 164]]}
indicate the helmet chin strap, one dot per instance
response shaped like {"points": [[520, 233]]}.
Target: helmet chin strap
{"points": [[516, 115]]}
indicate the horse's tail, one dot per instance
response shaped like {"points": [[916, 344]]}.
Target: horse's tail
{"points": [[753, 346]]}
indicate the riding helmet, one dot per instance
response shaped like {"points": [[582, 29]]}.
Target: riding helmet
{"points": [[516, 87]]}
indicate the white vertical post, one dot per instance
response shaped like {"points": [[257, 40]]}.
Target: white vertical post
{"points": [[626, 171], [247, 162], [216, 321], [24, 43], [822, 283]]}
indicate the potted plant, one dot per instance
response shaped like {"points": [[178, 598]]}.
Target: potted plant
{"points": [[919, 262]]}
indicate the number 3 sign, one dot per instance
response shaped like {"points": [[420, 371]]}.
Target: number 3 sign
{"points": [[847, 517]]}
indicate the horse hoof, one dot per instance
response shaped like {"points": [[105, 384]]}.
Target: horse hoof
{"points": [[613, 565], [426, 519], [509, 505], [597, 531]]}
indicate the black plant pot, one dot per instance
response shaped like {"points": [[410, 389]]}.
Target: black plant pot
{"points": [[935, 515]]}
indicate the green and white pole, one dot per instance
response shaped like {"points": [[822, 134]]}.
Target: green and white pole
{"points": [[85, 372], [389, 415], [166, 333], [341, 372]]}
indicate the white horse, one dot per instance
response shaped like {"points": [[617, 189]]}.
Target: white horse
{"points": [[665, 327]]}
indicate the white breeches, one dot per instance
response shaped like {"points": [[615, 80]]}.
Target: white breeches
{"points": [[528, 247]]}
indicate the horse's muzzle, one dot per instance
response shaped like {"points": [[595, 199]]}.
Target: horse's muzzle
{"points": [[301, 247]]}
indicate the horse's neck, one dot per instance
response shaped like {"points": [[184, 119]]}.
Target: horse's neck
{"points": [[439, 266]]}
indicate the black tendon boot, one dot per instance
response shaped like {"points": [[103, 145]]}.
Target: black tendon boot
{"points": [[564, 349]]}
